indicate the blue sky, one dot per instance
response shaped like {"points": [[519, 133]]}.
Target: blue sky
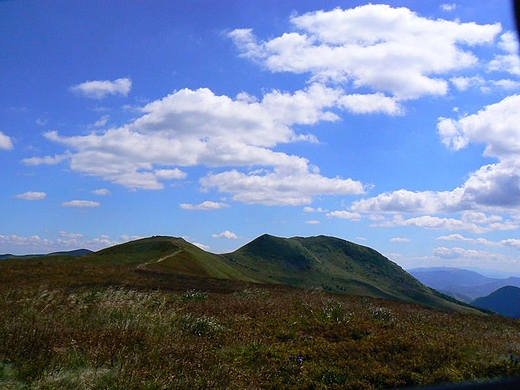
{"points": [[393, 125]]}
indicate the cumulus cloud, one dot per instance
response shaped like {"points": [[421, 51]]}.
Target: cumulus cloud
{"points": [[99, 89], [197, 127], [32, 195], [81, 203], [226, 234], [509, 62], [470, 221], [491, 187], [372, 46], [5, 142], [206, 205], [496, 126], [279, 187]]}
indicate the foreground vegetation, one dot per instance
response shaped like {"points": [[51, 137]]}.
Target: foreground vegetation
{"points": [[135, 337]]}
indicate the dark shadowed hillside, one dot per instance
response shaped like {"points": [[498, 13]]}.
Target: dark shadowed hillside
{"points": [[504, 301]]}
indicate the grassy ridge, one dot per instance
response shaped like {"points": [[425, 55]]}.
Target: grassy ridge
{"points": [[335, 265]]}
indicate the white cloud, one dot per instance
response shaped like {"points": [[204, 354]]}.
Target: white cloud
{"points": [[476, 256], [197, 127], [459, 237], [198, 244], [312, 222], [81, 203], [467, 222], [410, 202], [308, 209], [226, 234], [279, 188], [47, 160], [101, 191], [343, 214], [509, 62], [491, 187], [510, 242], [375, 46], [5, 142], [370, 104], [448, 7], [206, 205], [400, 239], [99, 89], [101, 122], [32, 195], [464, 83], [64, 241], [496, 125]]}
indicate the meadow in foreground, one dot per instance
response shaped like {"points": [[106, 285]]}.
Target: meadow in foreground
{"points": [[255, 338]]}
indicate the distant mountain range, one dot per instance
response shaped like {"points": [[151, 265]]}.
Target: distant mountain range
{"points": [[504, 301], [321, 262], [461, 284], [77, 252]]}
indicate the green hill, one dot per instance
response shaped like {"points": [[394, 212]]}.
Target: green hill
{"points": [[321, 262], [169, 255], [335, 265]]}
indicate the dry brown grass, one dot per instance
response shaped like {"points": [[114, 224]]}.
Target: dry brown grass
{"points": [[66, 325]]}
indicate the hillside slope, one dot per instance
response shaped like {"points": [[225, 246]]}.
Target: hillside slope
{"points": [[504, 301], [162, 262], [335, 265], [169, 255]]}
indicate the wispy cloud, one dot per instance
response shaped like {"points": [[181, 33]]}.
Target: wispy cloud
{"points": [[81, 203], [32, 195], [206, 205], [99, 89], [101, 192], [400, 239], [47, 160], [344, 214]]}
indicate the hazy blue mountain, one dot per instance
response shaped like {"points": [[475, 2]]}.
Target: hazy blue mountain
{"points": [[504, 301], [76, 252], [462, 284]]}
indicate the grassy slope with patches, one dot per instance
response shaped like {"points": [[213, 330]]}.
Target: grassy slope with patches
{"points": [[332, 264], [335, 265]]}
